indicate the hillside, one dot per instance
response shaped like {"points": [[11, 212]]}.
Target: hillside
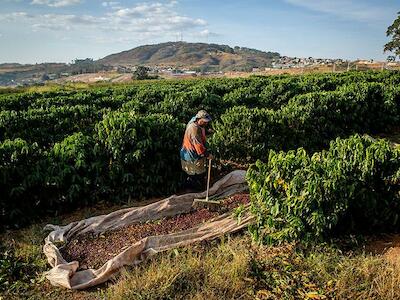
{"points": [[27, 74], [14, 72], [193, 55]]}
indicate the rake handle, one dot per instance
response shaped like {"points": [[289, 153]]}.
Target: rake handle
{"points": [[208, 177]]}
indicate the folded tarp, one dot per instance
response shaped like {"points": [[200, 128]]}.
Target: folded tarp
{"points": [[66, 274]]}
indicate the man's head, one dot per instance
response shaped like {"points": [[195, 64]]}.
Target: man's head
{"points": [[203, 118]]}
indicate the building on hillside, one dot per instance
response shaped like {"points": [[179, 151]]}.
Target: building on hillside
{"points": [[52, 76]]}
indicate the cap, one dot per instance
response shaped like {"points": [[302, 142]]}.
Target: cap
{"points": [[202, 114]]}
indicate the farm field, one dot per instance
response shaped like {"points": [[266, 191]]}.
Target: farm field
{"points": [[323, 171]]}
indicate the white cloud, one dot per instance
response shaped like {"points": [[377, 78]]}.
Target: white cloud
{"points": [[144, 20], [347, 9], [56, 3], [206, 33], [172, 3], [111, 4], [18, 14]]}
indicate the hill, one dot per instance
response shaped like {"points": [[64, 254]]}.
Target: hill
{"points": [[193, 55], [27, 74]]}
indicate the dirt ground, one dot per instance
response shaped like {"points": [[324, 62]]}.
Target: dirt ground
{"points": [[96, 77], [387, 245], [393, 136]]}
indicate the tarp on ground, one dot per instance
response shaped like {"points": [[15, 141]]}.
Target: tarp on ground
{"points": [[66, 274]]}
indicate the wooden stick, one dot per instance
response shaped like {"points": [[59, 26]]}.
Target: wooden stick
{"points": [[208, 177]]}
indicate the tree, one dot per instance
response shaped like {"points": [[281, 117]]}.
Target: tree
{"points": [[141, 73], [391, 58], [393, 31], [45, 77]]}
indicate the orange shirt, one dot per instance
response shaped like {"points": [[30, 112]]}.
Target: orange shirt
{"points": [[194, 142]]}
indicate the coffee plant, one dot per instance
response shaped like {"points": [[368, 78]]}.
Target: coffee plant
{"points": [[354, 186], [309, 120], [67, 148], [140, 151], [20, 179]]}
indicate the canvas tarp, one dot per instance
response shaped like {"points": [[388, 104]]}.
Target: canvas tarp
{"points": [[66, 274]]}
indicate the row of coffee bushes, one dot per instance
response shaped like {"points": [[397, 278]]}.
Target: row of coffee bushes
{"points": [[128, 155], [62, 149], [46, 126], [352, 187], [310, 121], [47, 118], [257, 91], [218, 95]]}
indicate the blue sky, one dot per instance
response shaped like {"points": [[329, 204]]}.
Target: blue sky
{"points": [[61, 30]]}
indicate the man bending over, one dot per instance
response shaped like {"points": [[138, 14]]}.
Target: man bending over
{"points": [[194, 152]]}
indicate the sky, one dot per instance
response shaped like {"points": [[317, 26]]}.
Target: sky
{"points": [[35, 31]]}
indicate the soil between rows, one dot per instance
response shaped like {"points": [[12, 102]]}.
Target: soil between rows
{"points": [[93, 251]]}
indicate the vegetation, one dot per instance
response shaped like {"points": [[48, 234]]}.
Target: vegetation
{"points": [[123, 158], [141, 73], [308, 120], [352, 187], [393, 32], [61, 148]]}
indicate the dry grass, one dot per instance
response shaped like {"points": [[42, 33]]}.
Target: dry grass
{"points": [[236, 269], [204, 272], [367, 277], [231, 268]]}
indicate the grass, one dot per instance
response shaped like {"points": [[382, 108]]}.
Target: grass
{"points": [[230, 268], [215, 270], [324, 272]]}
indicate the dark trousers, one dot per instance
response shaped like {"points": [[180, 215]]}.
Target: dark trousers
{"points": [[196, 182]]}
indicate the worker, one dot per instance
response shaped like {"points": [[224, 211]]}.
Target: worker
{"points": [[194, 152]]}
